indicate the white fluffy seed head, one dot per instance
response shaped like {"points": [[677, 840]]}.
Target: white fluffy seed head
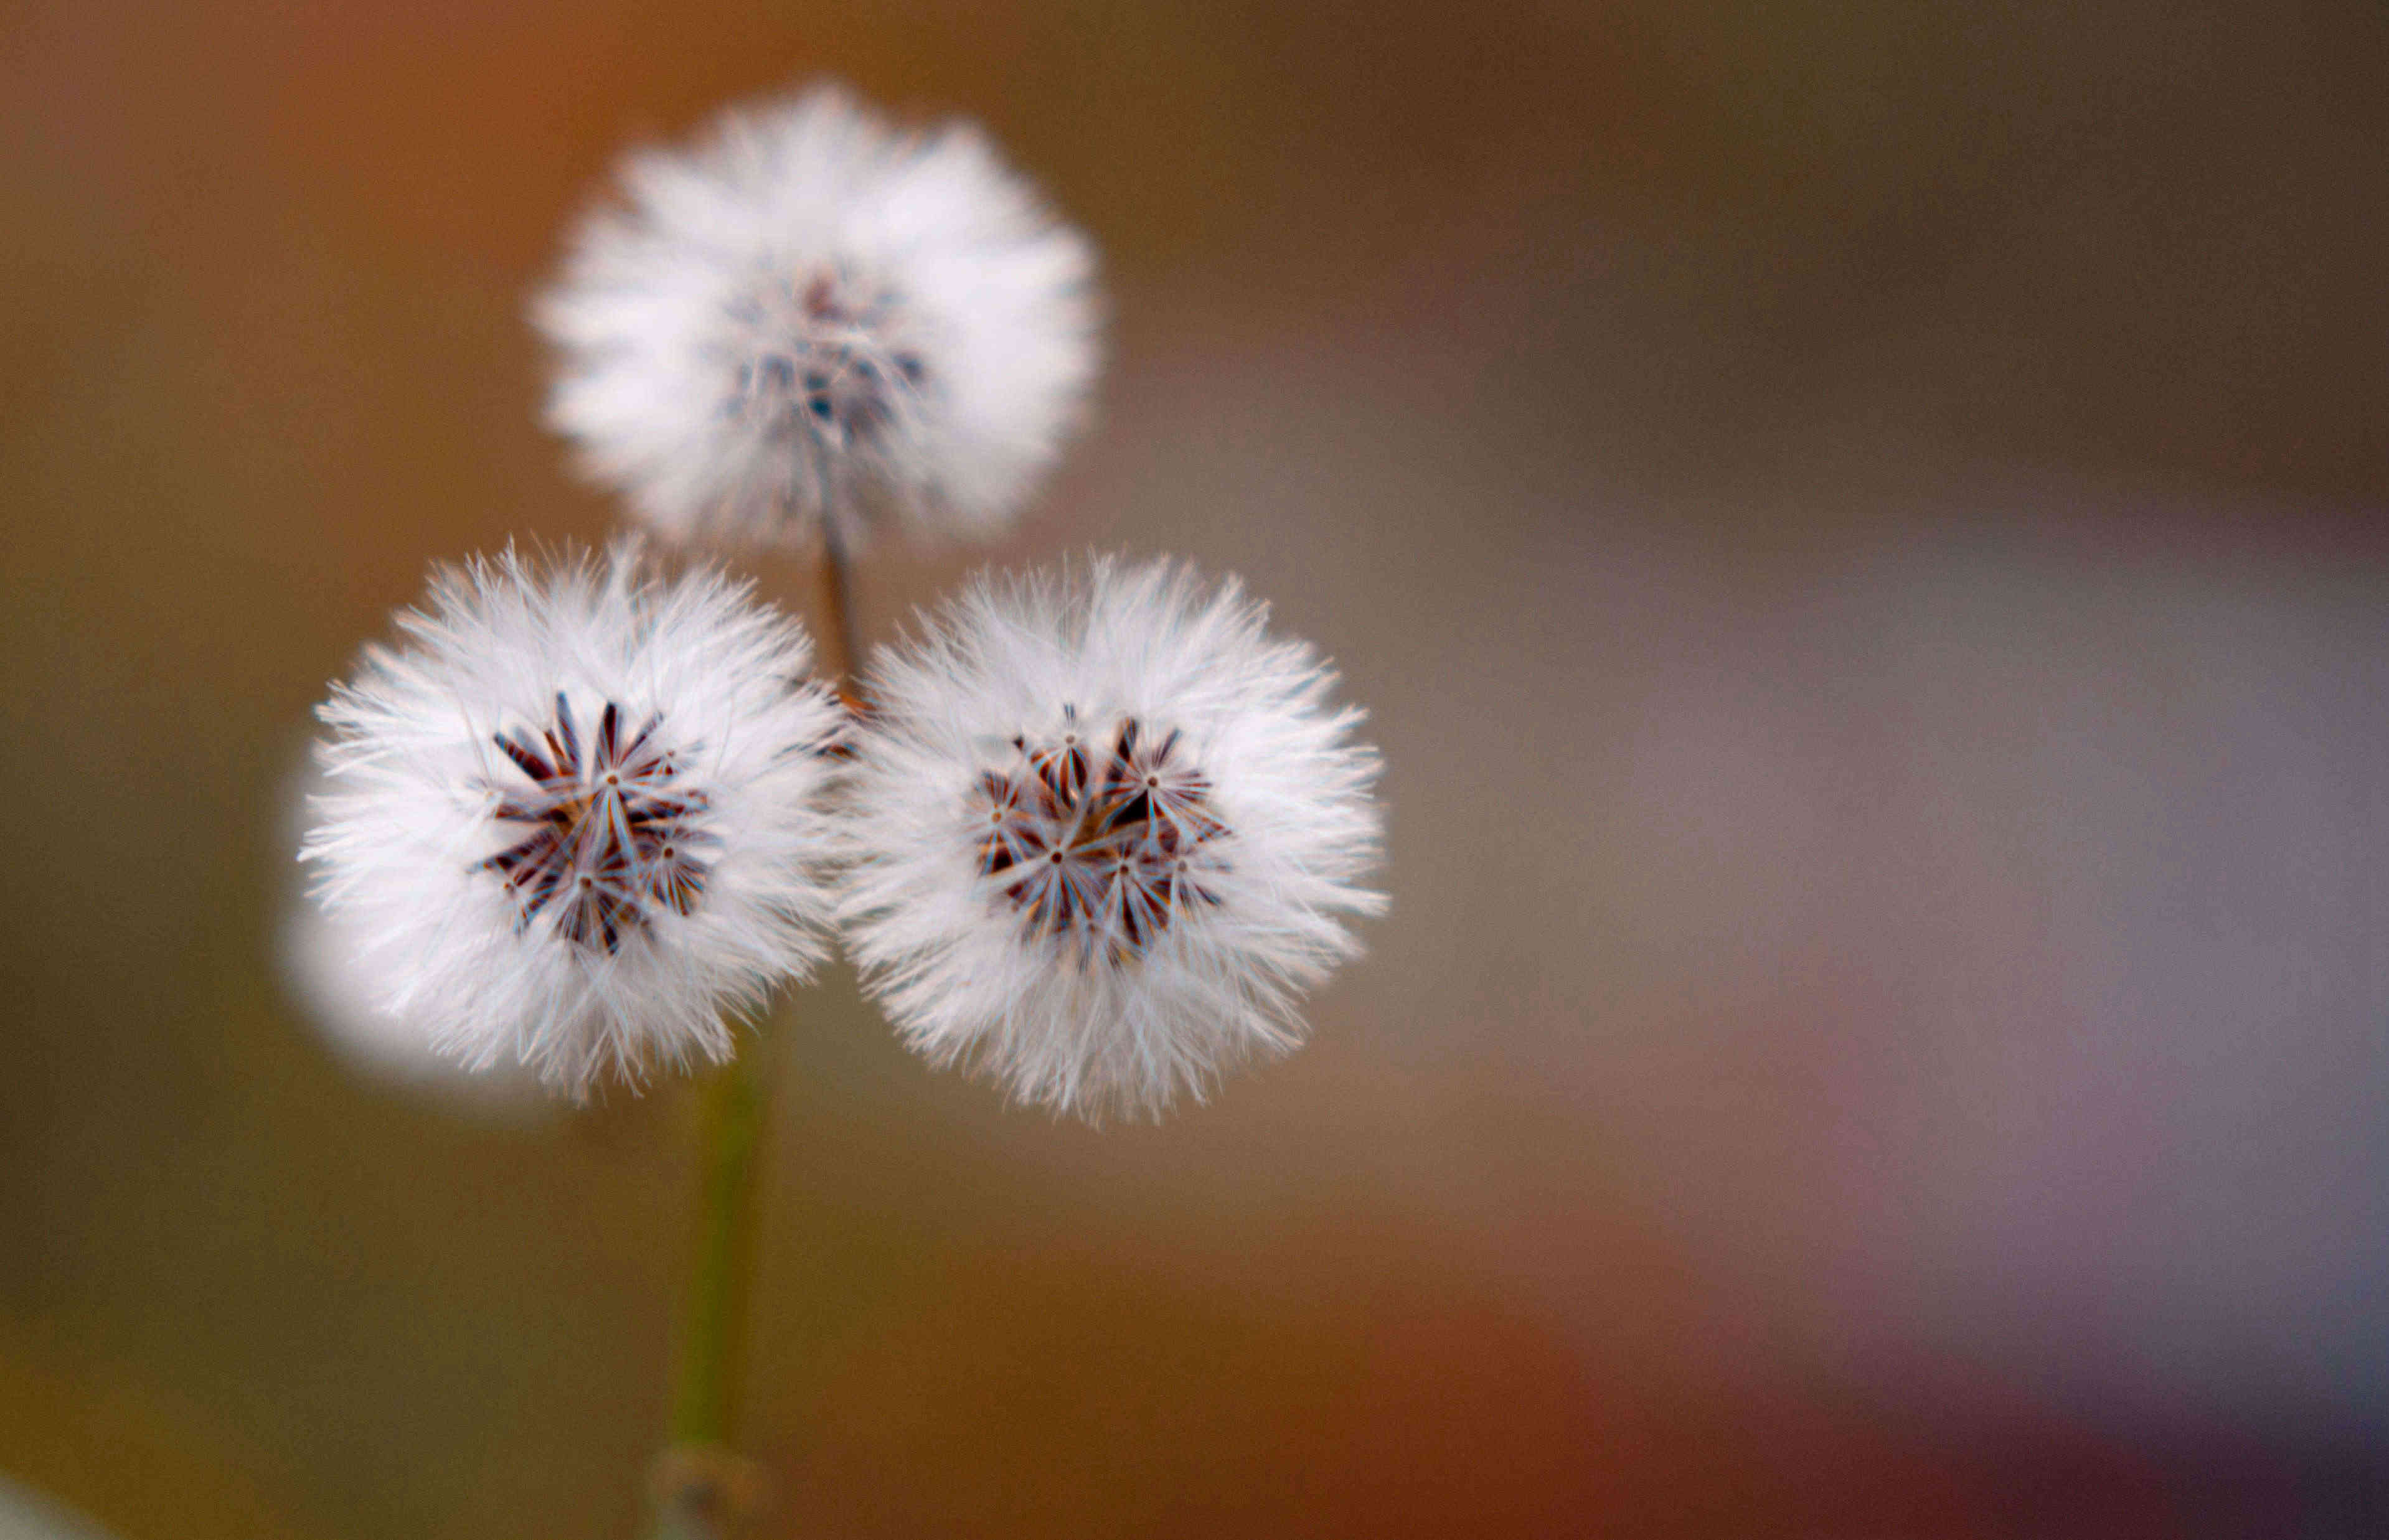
{"points": [[577, 815], [1105, 832], [340, 985], [810, 316], [334, 977]]}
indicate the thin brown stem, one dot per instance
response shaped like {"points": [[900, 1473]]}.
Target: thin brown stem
{"points": [[838, 610]]}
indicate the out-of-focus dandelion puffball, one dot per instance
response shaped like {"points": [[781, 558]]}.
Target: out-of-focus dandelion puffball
{"points": [[810, 316]]}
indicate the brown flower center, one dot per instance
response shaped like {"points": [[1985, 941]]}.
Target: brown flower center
{"points": [[1103, 843], [613, 836], [821, 357]]}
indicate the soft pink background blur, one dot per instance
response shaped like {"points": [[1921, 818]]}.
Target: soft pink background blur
{"points": [[1859, 526]]}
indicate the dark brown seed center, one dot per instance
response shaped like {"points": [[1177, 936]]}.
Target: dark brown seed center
{"points": [[1091, 846], [611, 830]]}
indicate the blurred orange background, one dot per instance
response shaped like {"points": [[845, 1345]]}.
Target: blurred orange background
{"points": [[1860, 529]]}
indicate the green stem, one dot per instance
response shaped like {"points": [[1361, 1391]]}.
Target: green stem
{"points": [[712, 1322], [701, 1487]]}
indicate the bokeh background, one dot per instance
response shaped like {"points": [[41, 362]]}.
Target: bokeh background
{"points": [[1860, 527]]}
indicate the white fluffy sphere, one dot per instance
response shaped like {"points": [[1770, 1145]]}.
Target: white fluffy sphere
{"points": [[1105, 833], [808, 317], [578, 815]]}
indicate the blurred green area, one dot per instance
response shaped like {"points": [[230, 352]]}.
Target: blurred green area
{"points": [[1859, 526]]}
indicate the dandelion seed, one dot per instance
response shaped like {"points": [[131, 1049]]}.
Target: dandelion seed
{"points": [[1105, 833], [811, 318], [578, 816]]}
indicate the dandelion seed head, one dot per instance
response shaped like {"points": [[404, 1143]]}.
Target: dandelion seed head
{"points": [[340, 985], [810, 317], [577, 815], [1104, 834], [329, 968]]}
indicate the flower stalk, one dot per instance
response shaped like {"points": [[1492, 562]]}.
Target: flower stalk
{"points": [[713, 1327], [702, 1489]]}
